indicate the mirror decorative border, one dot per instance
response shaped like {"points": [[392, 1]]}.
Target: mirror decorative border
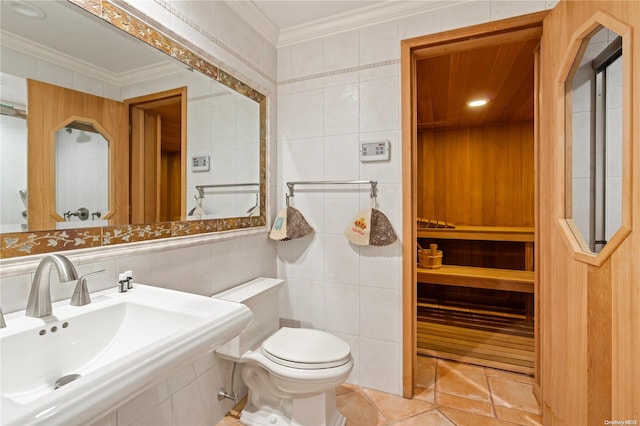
{"points": [[576, 47], [17, 244]]}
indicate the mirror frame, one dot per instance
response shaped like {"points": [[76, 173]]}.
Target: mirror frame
{"points": [[17, 244], [577, 46]]}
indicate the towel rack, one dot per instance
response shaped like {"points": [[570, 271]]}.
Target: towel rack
{"points": [[373, 183], [201, 188]]}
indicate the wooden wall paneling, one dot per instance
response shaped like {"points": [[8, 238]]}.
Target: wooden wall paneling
{"points": [[477, 175]]}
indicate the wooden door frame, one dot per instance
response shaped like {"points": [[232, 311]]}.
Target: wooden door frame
{"points": [[465, 38]]}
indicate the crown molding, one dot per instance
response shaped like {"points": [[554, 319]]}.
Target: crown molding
{"points": [[360, 18], [342, 22], [36, 50], [253, 16]]}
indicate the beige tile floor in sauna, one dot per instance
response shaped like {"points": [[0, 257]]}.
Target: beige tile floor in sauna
{"points": [[448, 393]]}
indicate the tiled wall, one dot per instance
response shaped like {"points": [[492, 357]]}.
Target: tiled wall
{"points": [[333, 93]]}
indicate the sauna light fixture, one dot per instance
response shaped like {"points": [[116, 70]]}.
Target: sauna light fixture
{"points": [[477, 103]]}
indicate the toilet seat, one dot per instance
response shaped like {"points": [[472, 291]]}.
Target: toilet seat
{"points": [[306, 349]]}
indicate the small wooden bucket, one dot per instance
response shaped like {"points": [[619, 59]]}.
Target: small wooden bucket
{"points": [[430, 259]]}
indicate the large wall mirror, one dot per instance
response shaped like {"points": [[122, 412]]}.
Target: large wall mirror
{"points": [[595, 110], [195, 154]]}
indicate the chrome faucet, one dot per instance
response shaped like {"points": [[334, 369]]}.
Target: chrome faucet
{"points": [[39, 304]]}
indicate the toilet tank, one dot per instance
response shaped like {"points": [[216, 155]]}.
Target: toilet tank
{"points": [[261, 297]]}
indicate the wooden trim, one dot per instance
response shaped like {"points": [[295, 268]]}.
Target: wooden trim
{"points": [[409, 168], [409, 207]]}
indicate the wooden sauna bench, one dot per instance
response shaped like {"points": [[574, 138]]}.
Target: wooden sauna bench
{"points": [[483, 336]]}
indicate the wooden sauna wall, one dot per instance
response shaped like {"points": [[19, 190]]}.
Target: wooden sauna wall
{"points": [[480, 176]]}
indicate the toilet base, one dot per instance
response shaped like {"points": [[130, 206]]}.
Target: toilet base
{"points": [[268, 406]]}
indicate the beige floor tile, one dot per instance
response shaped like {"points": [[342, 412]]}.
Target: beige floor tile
{"points": [[346, 388], [513, 395], [358, 410], [423, 394], [466, 383], [508, 375], [426, 376], [518, 417], [464, 404], [430, 418], [464, 418], [445, 366], [395, 407], [229, 421]]}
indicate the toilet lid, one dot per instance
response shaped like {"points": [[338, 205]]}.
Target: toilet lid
{"points": [[306, 349]]}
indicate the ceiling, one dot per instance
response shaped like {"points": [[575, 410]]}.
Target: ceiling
{"points": [[502, 74], [287, 14]]}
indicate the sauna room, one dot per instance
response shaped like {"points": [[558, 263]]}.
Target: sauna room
{"points": [[475, 204]]}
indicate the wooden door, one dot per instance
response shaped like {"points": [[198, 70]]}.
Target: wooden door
{"points": [[589, 305], [51, 108]]}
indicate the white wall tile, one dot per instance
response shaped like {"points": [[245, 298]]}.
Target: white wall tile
{"points": [[341, 259], [422, 24], [379, 313], [340, 51], [380, 105], [306, 58], [341, 109], [507, 9], [466, 14], [303, 301], [381, 266], [307, 114], [342, 157], [302, 159], [302, 258], [342, 312], [379, 43], [339, 209], [380, 365]]}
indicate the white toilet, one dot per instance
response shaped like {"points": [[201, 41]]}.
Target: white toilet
{"points": [[291, 373]]}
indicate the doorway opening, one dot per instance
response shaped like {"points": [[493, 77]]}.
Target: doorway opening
{"points": [[469, 196], [158, 153]]}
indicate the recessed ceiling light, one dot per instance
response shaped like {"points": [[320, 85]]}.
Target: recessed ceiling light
{"points": [[477, 103], [25, 9]]}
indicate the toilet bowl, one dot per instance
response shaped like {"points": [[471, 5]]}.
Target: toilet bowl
{"points": [[291, 373]]}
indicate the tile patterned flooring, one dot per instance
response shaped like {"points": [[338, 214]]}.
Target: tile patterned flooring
{"points": [[448, 393]]}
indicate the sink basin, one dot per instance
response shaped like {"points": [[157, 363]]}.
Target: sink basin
{"points": [[118, 346]]}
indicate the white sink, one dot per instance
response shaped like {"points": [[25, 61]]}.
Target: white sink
{"points": [[119, 344]]}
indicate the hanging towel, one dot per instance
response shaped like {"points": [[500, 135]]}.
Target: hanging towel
{"points": [[371, 227]]}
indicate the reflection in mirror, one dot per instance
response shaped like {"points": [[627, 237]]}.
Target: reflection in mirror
{"points": [[225, 123], [595, 184], [82, 175], [13, 154]]}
